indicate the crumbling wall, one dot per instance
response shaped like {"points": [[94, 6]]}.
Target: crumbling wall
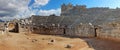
{"points": [[109, 31], [70, 32], [51, 30], [84, 30]]}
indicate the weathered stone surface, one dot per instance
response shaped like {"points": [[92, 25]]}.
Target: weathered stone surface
{"points": [[84, 30], [109, 31]]}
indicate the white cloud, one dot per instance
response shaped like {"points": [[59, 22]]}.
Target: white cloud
{"points": [[10, 9], [49, 12], [39, 3]]}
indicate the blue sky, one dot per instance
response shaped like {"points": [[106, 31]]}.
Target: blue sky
{"points": [[54, 4], [26, 8]]}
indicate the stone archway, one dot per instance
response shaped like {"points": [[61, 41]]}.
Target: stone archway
{"points": [[16, 28]]}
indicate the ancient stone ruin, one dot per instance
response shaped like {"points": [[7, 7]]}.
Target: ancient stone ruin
{"points": [[77, 21]]}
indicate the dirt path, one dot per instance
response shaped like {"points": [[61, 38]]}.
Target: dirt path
{"points": [[99, 44], [17, 41]]}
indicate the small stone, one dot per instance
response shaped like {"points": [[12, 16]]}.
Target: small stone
{"points": [[52, 41], [68, 46], [34, 40], [28, 38], [43, 39]]}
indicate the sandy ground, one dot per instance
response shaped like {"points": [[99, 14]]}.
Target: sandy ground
{"points": [[19, 41]]}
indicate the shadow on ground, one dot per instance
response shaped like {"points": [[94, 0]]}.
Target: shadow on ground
{"points": [[100, 44]]}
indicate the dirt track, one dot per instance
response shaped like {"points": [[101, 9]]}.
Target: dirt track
{"points": [[40, 42]]}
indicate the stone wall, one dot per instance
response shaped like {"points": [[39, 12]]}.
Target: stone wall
{"points": [[50, 30], [84, 30], [109, 31], [1, 26]]}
